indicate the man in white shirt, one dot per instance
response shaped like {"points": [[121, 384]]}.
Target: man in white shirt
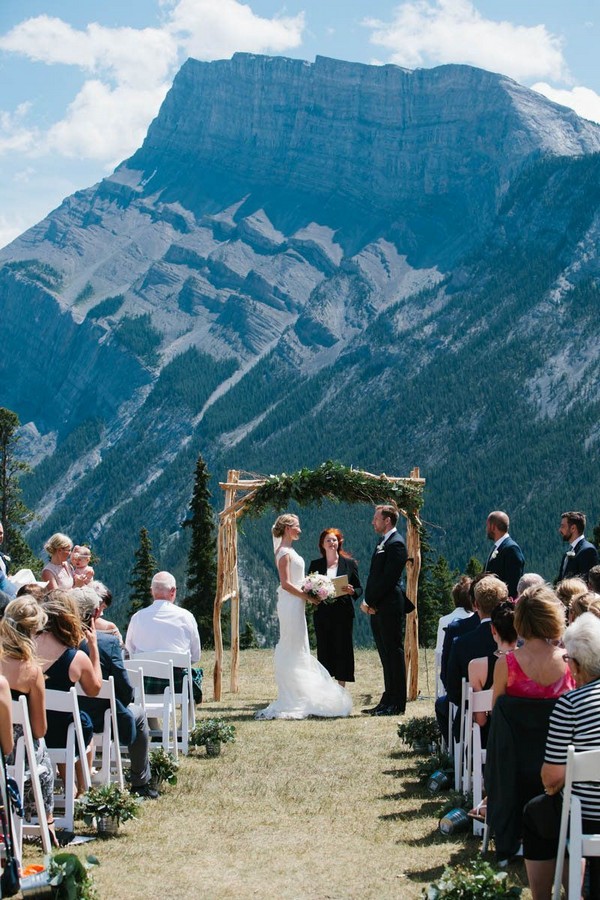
{"points": [[163, 625]]}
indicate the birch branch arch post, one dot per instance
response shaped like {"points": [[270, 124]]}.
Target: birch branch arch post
{"points": [[251, 495]]}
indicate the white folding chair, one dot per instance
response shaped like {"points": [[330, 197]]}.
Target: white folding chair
{"points": [[136, 677], [459, 745], [160, 706], [439, 687], [107, 740], [24, 756], [75, 751], [477, 702], [479, 756], [183, 698], [585, 767]]}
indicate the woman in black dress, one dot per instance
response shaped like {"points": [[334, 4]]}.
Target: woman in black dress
{"points": [[334, 621]]}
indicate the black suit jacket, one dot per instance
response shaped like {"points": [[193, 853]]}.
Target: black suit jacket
{"points": [[343, 605], [455, 629], [111, 663], [508, 565], [586, 557], [387, 565], [472, 645]]}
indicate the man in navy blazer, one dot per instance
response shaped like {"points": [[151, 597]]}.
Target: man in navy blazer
{"points": [[581, 555], [384, 603], [506, 559]]}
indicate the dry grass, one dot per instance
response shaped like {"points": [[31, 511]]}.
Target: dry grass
{"points": [[308, 809]]}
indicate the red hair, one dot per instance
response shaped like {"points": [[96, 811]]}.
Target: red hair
{"points": [[340, 538]]}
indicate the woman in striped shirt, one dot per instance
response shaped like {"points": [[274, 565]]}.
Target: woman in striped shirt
{"points": [[574, 720]]}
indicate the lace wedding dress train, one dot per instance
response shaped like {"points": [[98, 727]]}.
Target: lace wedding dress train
{"points": [[304, 686]]}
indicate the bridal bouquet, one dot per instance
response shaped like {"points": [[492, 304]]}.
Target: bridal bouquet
{"points": [[320, 587]]}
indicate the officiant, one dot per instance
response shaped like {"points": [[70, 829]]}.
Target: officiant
{"points": [[334, 621]]}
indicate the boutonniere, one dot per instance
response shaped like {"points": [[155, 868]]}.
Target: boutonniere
{"points": [[494, 554], [570, 553], [379, 547]]}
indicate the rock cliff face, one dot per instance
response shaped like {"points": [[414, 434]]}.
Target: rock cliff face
{"points": [[300, 259]]}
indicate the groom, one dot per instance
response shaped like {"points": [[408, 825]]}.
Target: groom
{"points": [[384, 602]]}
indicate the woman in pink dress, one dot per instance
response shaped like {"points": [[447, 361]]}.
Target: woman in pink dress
{"points": [[537, 669]]}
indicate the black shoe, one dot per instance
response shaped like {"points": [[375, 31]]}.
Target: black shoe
{"points": [[374, 710], [145, 792], [389, 711]]}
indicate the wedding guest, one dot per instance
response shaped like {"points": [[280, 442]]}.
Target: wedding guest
{"points": [[334, 621], [569, 588], [528, 579], [23, 619], [80, 560], [506, 558], [64, 664], [6, 726], [34, 590], [463, 609], [384, 603], [574, 720], [593, 579], [106, 599], [59, 573], [481, 670], [581, 555], [583, 603], [537, 669]]}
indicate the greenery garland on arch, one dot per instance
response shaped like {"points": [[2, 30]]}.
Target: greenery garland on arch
{"points": [[333, 481]]}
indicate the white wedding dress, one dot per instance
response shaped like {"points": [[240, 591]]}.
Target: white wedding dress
{"points": [[304, 686]]}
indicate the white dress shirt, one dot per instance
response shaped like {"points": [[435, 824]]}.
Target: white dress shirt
{"points": [[163, 626]]}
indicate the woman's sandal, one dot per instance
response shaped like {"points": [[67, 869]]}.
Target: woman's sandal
{"points": [[52, 833], [479, 811]]}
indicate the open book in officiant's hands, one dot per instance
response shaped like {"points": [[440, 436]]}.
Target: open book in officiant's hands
{"points": [[339, 583]]}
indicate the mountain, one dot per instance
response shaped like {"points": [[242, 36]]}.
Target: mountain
{"points": [[310, 261]]}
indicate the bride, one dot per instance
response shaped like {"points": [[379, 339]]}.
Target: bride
{"points": [[304, 686]]}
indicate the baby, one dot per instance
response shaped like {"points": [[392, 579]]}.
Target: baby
{"points": [[80, 558]]}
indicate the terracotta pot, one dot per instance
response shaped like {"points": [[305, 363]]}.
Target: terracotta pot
{"points": [[213, 748]]}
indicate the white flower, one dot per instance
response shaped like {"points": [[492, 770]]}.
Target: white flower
{"points": [[379, 547], [570, 554], [494, 554]]}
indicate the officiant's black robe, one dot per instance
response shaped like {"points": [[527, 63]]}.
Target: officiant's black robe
{"points": [[334, 621]]}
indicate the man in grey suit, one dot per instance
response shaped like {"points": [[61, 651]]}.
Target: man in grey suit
{"points": [[384, 603]]}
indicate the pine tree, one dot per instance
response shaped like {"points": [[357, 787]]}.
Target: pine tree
{"points": [[248, 638], [474, 567], [13, 513], [202, 559], [142, 573]]}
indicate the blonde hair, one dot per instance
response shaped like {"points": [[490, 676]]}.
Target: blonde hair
{"points": [[283, 522], [64, 620], [58, 541], [23, 618], [569, 588], [582, 603], [539, 614]]}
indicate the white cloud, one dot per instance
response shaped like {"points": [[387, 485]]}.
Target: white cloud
{"points": [[15, 135], [584, 101], [138, 57], [432, 32], [104, 123], [213, 29]]}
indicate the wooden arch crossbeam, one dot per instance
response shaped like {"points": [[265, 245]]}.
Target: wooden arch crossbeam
{"points": [[247, 494]]}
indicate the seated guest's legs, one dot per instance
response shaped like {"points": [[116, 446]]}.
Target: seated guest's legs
{"points": [[541, 830], [442, 714]]}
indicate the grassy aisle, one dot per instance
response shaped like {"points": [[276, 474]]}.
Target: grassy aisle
{"points": [[309, 809]]}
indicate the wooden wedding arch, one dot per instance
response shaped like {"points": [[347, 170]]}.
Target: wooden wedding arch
{"points": [[251, 495]]}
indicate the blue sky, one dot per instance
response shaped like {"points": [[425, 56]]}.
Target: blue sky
{"points": [[80, 81]]}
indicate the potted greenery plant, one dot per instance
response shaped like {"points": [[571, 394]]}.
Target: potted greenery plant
{"points": [[109, 805], [211, 733], [421, 733], [163, 767], [65, 877], [477, 881]]}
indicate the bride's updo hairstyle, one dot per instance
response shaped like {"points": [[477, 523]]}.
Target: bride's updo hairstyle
{"points": [[281, 523]]}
